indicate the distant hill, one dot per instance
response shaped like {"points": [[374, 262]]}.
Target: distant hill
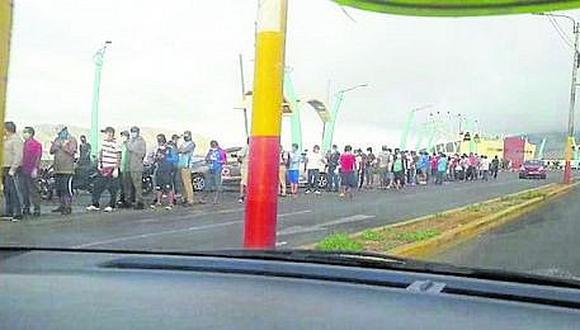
{"points": [[45, 133], [554, 148]]}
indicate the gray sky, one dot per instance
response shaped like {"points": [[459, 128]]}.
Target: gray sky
{"points": [[175, 66]]}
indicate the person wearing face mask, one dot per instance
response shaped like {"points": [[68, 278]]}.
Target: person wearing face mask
{"points": [[31, 156], [215, 158], [185, 152], [84, 152], [64, 148], [164, 161], [136, 149], [11, 168]]}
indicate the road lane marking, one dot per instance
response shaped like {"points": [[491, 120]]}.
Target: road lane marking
{"points": [[174, 231], [159, 233], [289, 214], [324, 226], [228, 211]]}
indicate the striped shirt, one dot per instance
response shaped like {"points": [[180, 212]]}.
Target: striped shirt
{"points": [[110, 154]]}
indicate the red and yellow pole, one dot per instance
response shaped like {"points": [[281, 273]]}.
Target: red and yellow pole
{"points": [[5, 33], [262, 193]]}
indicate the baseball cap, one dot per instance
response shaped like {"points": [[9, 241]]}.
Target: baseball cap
{"points": [[108, 129], [125, 133]]}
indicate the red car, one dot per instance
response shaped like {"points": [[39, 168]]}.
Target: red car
{"points": [[533, 169]]}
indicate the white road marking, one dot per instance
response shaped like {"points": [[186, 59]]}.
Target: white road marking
{"points": [[159, 233], [168, 232], [323, 226], [294, 213], [228, 211], [278, 244]]}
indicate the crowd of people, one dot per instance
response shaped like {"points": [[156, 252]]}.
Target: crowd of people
{"points": [[120, 162], [119, 165], [350, 170]]}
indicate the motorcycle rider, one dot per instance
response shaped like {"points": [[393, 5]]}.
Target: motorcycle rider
{"points": [[64, 148], [31, 156]]}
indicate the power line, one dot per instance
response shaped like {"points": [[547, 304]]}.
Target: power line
{"points": [[561, 33]]}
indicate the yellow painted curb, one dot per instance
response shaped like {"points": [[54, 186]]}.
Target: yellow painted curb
{"points": [[449, 238]]}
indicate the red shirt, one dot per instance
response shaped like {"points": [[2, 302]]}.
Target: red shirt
{"points": [[31, 154], [347, 161]]}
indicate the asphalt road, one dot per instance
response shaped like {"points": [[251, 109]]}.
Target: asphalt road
{"points": [[301, 220], [544, 242]]}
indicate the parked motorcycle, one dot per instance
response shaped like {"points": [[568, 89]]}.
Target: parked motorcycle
{"points": [[46, 183]]}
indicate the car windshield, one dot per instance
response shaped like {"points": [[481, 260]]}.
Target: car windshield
{"points": [[191, 125], [533, 163]]}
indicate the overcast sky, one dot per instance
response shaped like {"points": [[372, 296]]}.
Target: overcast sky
{"points": [[174, 65]]}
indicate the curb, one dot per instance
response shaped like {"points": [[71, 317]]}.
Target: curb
{"points": [[452, 237]]}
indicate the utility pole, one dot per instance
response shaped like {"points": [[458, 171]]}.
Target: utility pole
{"points": [[570, 139], [264, 159], [575, 62], [243, 85]]}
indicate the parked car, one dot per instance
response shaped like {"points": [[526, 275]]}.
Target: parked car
{"points": [[231, 172], [533, 169]]}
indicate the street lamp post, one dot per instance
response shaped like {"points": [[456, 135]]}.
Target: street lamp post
{"points": [[99, 59], [409, 123], [329, 129]]}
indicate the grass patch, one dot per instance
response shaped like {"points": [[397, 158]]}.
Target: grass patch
{"points": [[369, 235], [339, 242], [532, 195], [419, 235], [474, 208]]}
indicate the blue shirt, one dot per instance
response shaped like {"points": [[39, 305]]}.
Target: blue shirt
{"points": [[442, 164], [215, 160], [295, 160]]}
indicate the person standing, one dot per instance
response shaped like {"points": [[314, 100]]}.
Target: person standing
{"points": [[434, 160], [126, 197], [243, 160], [441, 168], [494, 167], [136, 149], [399, 170], [370, 162], [185, 153], [383, 160], [176, 173], [294, 169], [313, 163], [84, 152], [216, 159], [485, 165], [11, 168], [348, 179], [164, 161], [108, 164], [361, 162], [64, 148], [282, 171], [31, 156], [332, 160]]}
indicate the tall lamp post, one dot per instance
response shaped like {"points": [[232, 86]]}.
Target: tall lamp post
{"points": [[575, 62], [99, 59], [328, 128]]}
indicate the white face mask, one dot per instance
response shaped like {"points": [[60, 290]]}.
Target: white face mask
{"points": [[134, 135], [26, 136]]}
